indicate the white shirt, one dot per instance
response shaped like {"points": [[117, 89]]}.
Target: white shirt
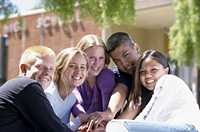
{"points": [[172, 102], [61, 107]]}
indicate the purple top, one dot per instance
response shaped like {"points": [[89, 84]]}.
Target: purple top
{"points": [[97, 98]]}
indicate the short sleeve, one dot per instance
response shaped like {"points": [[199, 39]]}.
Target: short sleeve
{"points": [[124, 78]]}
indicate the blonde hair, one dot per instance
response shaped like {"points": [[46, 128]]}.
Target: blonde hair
{"points": [[62, 61], [31, 54], [91, 40]]}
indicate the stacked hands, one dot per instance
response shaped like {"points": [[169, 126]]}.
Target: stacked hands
{"points": [[94, 122], [97, 121]]}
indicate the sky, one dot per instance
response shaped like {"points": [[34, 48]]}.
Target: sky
{"points": [[24, 5]]}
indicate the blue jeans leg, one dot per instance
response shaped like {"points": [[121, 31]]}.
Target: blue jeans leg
{"points": [[146, 126]]}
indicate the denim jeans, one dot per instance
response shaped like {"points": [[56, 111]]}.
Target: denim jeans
{"points": [[147, 126]]}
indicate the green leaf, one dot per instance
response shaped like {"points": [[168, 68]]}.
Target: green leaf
{"points": [[185, 33], [104, 12]]}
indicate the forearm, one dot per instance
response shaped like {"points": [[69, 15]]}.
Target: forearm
{"points": [[115, 104], [117, 99], [128, 115], [131, 111]]}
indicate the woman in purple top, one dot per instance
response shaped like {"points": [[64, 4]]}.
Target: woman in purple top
{"points": [[94, 94]]}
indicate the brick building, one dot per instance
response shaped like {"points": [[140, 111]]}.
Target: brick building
{"points": [[40, 28]]}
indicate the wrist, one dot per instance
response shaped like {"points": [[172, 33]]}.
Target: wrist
{"points": [[83, 117], [111, 115]]}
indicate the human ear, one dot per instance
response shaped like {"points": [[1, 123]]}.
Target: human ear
{"points": [[167, 70], [137, 48], [23, 68]]}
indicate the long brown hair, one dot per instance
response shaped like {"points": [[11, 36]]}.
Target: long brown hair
{"points": [[138, 89]]}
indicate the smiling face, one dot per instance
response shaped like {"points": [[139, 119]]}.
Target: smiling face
{"points": [[42, 70], [150, 72], [125, 57], [38, 63], [96, 57], [76, 71]]}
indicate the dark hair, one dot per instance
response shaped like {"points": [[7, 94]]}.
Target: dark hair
{"points": [[116, 39], [138, 89]]}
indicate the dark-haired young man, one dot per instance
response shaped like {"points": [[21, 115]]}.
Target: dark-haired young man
{"points": [[125, 53]]}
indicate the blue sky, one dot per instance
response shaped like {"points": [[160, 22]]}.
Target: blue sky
{"points": [[24, 5]]}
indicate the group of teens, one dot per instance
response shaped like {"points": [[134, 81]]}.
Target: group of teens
{"points": [[86, 95], [85, 87]]}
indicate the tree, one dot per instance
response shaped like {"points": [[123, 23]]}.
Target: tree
{"points": [[7, 8], [185, 33], [104, 12]]}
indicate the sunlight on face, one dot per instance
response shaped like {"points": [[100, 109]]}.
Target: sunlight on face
{"points": [[76, 71], [42, 70], [125, 57], [96, 56], [150, 72]]}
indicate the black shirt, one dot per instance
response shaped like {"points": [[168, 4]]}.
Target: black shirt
{"points": [[125, 78], [128, 81], [25, 108]]}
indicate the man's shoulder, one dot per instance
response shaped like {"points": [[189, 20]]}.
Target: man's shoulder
{"points": [[122, 74], [124, 78], [13, 88], [23, 81], [17, 83]]}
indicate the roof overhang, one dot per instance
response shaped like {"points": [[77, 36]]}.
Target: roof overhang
{"points": [[154, 14]]}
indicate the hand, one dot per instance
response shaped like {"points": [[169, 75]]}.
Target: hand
{"points": [[83, 117], [83, 128], [101, 117], [96, 120], [100, 129], [90, 127], [131, 110]]}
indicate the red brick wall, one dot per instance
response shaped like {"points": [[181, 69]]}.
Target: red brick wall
{"points": [[57, 41]]}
